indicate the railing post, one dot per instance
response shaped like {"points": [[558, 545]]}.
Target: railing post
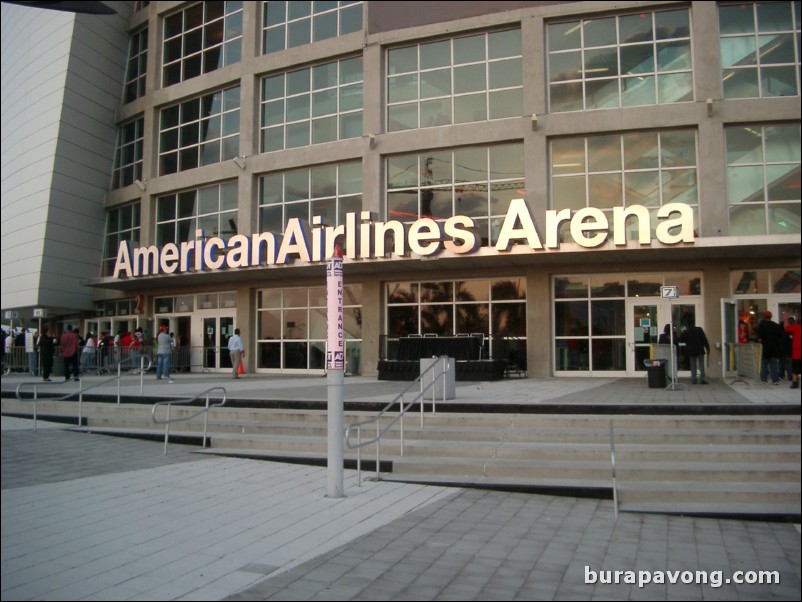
{"points": [[141, 375], [80, 400], [359, 456], [167, 428], [205, 420], [35, 401], [422, 401], [119, 380], [378, 446], [612, 458], [402, 426]]}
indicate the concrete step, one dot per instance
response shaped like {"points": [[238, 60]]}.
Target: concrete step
{"points": [[634, 493], [718, 463]]}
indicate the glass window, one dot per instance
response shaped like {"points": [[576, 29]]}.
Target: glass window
{"points": [[200, 131], [128, 153], [476, 181], [312, 105], [496, 308], [642, 168], [461, 80], [763, 164], [329, 191], [137, 68], [291, 328], [290, 24], [759, 49], [623, 61], [122, 226], [212, 209], [200, 39]]}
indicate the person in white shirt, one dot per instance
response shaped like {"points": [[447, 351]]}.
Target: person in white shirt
{"points": [[237, 351]]}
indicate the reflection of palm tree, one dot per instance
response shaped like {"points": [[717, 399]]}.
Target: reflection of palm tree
{"points": [[507, 289], [436, 291], [508, 319], [473, 318], [463, 294]]}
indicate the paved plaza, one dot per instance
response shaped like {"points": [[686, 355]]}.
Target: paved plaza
{"points": [[90, 517]]}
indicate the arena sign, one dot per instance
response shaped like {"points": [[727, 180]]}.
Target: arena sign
{"points": [[365, 238]]}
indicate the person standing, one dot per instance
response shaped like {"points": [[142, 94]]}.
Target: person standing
{"points": [[770, 334], [163, 350], [46, 350], [30, 350], [794, 329], [696, 346], [237, 351], [88, 353], [69, 351]]}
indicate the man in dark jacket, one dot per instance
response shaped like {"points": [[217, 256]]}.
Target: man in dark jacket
{"points": [[771, 335], [696, 346], [46, 350]]}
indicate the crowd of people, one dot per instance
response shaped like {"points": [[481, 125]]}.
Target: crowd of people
{"points": [[34, 352]]}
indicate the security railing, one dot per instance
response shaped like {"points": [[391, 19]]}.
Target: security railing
{"points": [[435, 372], [205, 411], [104, 360]]}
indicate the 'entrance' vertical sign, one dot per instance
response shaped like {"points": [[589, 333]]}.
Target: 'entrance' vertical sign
{"points": [[335, 371]]}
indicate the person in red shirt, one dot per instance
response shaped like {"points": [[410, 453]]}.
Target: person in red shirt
{"points": [[794, 328], [69, 351]]}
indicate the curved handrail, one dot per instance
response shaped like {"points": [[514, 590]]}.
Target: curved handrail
{"points": [[205, 410], [140, 370], [387, 408], [400, 416]]}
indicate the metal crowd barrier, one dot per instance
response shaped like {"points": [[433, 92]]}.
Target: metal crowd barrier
{"points": [[747, 361], [104, 360]]}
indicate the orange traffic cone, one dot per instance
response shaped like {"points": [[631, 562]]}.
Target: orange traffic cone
{"points": [[240, 368]]}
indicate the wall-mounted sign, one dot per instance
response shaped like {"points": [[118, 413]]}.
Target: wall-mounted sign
{"points": [[364, 238], [669, 292]]}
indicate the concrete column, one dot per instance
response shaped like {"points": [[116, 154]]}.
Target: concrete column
{"points": [[246, 322], [538, 323], [372, 319]]}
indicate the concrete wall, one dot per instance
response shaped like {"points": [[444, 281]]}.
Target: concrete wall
{"points": [[62, 82]]}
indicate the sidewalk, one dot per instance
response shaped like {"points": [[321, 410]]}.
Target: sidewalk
{"points": [[87, 517], [578, 390]]}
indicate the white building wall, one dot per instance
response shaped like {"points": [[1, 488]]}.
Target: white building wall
{"points": [[61, 84]]}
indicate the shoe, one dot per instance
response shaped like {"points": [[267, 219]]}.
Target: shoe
{"points": [[702, 382], [158, 378], [776, 382], [47, 380], [793, 385], [693, 382], [235, 377], [171, 381], [76, 379]]}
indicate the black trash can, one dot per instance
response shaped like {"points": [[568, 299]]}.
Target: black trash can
{"points": [[656, 373]]}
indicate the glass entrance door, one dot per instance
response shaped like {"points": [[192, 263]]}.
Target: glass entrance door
{"points": [[642, 333], [216, 332], [646, 320]]}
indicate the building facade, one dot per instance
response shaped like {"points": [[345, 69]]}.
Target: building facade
{"points": [[565, 176]]}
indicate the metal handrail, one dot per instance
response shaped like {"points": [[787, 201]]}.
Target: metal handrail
{"points": [[204, 410], [612, 460], [81, 390], [400, 417]]}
